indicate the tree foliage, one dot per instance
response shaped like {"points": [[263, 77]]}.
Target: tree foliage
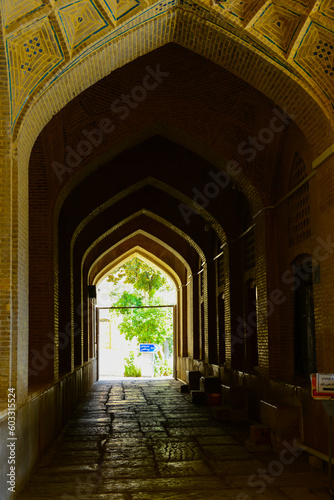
{"points": [[147, 324], [141, 276]]}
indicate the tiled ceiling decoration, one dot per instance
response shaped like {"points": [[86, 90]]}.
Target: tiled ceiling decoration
{"points": [[13, 10], [243, 11], [33, 54], [80, 21], [296, 36], [119, 9], [326, 8], [305, 3], [278, 25], [315, 55]]}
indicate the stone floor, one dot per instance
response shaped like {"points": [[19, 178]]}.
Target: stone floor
{"points": [[144, 440]]}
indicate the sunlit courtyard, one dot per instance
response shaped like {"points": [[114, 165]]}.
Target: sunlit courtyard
{"points": [[135, 352]]}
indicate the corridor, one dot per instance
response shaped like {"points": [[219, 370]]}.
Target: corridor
{"points": [[145, 440]]}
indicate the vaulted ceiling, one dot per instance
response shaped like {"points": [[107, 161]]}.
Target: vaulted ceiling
{"points": [[284, 48]]}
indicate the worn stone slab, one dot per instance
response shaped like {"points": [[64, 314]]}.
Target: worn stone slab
{"points": [[197, 431], [152, 428], [88, 430], [177, 451], [156, 436], [129, 462], [184, 469], [190, 422], [186, 413], [71, 444], [147, 422], [148, 410], [127, 453], [119, 440], [192, 495], [129, 472], [125, 426], [60, 471], [85, 457], [89, 421], [84, 437], [161, 484]]}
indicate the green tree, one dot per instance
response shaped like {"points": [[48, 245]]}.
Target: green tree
{"points": [[141, 276], [147, 324]]}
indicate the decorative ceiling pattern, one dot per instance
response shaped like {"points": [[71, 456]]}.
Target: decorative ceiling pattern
{"points": [[295, 35], [14, 10], [32, 54], [278, 25], [80, 21], [241, 11], [118, 9], [326, 8], [315, 56]]}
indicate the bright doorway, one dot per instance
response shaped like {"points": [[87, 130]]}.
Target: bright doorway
{"points": [[135, 308]]}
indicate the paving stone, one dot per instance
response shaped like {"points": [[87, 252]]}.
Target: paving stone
{"points": [[78, 445], [197, 431], [90, 421], [127, 453], [120, 440], [190, 495], [184, 469], [88, 430], [189, 422], [181, 413], [156, 428], [151, 422], [125, 426], [86, 457], [154, 435], [149, 442], [163, 484], [129, 462], [110, 496], [129, 472], [84, 437], [177, 451]]}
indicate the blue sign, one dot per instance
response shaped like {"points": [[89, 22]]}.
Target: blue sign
{"points": [[149, 348]]}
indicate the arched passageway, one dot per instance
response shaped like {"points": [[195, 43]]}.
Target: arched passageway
{"points": [[214, 174], [206, 209]]}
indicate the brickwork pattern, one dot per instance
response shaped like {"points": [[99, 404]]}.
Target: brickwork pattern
{"points": [[5, 236]]}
